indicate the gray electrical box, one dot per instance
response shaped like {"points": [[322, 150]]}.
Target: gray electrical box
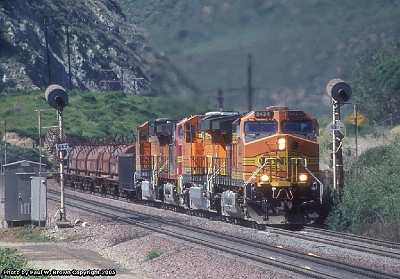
{"points": [[38, 199], [20, 205]]}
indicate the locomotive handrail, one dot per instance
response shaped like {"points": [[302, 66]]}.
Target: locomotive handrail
{"points": [[257, 171], [321, 190], [216, 172], [162, 167], [294, 171], [159, 162]]}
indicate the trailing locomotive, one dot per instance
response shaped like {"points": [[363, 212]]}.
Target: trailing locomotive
{"points": [[260, 166]]}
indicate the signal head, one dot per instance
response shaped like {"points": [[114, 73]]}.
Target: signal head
{"points": [[56, 96], [339, 90]]}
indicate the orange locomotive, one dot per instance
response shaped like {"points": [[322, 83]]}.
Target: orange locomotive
{"points": [[261, 166]]}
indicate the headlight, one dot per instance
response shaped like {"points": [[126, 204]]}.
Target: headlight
{"points": [[264, 178], [282, 144], [303, 177]]}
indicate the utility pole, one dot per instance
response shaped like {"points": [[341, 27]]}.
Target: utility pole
{"points": [[45, 23], [356, 129], [68, 52], [5, 142], [249, 88], [220, 100]]}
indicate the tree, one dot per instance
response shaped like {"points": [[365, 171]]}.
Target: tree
{"points": [[18, 153], [376, 82]]}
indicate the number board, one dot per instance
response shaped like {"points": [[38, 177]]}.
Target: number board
{"points": [[63, 146], [296, 113], [263, 114]]}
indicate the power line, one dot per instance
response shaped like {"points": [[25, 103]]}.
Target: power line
{"points": [[46, 24]]}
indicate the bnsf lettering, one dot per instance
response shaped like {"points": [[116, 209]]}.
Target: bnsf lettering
{"points": [[280, 161], [272, 161]]}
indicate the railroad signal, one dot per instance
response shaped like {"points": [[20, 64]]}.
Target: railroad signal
{"points": [[56, 96], [339, 90], [58, 99], [341, 93]]}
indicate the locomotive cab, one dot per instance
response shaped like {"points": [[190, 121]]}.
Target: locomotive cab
{"points": [[280, 165]]}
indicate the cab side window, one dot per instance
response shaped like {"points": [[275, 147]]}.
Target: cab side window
{"points": [[143, 135], [181, 133]]}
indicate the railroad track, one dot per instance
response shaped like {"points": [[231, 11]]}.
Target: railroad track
{"points": [[345, 241], [264, 254], [352, 237]]}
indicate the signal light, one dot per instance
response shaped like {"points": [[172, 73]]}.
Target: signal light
{"points": [[56, 96], [339, 90]]}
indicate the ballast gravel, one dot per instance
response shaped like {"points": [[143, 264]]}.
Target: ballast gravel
{"points": [[153, 255]]}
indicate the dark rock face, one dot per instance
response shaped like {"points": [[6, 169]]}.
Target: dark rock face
{"points": [[105, 51]]}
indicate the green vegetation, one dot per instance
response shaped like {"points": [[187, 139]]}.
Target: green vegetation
{"points": [[26, 233], [369, 205], [152, 254], [296, 46], [9, 259], [94, 114], [376, 79], [33, 234], [17, 153], [87, 115]]}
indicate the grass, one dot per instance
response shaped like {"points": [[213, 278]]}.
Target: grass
{"points": [[24, 234], [9, 259], [152, 254], [34, 235], [120, 113]]}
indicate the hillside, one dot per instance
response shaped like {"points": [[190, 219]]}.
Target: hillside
{"points": [[85, 45], [296, 46], [182, 48]]}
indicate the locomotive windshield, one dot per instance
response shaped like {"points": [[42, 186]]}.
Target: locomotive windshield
{"points": [[257, 127], [298, 127]]}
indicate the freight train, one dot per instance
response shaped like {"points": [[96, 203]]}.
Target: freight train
{"points": [[260, 166]]}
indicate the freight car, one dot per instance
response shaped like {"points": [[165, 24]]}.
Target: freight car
{"points": [[261, 166]]}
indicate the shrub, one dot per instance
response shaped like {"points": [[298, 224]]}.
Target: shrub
{"points": [[10, 260], [33, 234], [368, 205], [153, 254], [88, 98]]}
